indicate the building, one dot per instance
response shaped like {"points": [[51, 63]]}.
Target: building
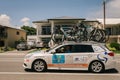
{"points": [[32, 38], [46, 28], [114, 32], [9, 35], [113, 27]]}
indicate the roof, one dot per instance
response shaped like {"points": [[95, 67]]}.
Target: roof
{"points": [[90, 21], [11, 27], [66, 18], [110, 20], [42, 21], [59, 18]]}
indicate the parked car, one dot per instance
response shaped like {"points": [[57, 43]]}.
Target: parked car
{"points": [[23, 46], [94, 57], [31, 44]]}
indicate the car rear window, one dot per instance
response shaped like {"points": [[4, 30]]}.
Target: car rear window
{"points": [[98, 49], [82, 48]]}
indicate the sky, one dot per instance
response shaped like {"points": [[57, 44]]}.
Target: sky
{"points": [[23, 12]]}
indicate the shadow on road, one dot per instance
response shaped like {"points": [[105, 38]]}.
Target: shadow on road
{"points": [[111, 71]]}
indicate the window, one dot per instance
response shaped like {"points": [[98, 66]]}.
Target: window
{"points": [[3, 33], [46, 30], [64, 49], [82, 48], [2, 43], [75, 49], [109, 31], [98, 49], [17, 33], [65, 27]]}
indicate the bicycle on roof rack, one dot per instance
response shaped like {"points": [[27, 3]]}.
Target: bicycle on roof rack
{"points": [[80, 33], [99, 35]]}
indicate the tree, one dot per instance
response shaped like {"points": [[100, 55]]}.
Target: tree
{"points": [[29, 30]]}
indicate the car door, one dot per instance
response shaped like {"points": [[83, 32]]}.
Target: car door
{"points": [[80, 56], [61, 58]]}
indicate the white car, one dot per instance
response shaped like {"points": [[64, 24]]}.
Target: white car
{"points": [[81, 56]]}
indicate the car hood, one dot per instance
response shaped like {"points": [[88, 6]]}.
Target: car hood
{"points": [[38, 52]]}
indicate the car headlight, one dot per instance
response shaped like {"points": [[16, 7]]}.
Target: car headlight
{"points": [[28, 55]]}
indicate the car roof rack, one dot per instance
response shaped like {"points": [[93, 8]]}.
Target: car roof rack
{"points": [[82, 42]]}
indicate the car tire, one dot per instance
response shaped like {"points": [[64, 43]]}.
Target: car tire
{"points": [[39, 66], [19, 49], [96, 67]]}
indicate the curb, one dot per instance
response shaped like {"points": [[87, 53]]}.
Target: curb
{"points": [[117, 66]]}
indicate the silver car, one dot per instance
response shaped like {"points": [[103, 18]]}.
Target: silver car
{"points": [[23, 46], [94, 57]]}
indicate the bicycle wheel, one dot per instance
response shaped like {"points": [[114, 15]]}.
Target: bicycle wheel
{"points": [[85, 35], [96, 35], [105, 36], [58, 38]]}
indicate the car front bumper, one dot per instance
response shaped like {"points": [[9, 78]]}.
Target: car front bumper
{"points": [[27, 64]]}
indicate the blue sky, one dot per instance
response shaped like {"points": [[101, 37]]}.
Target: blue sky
{"points": [[35, 10]]}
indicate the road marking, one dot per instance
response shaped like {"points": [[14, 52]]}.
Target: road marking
{"points": [[12, 60], [12, 54], [70, 74]]}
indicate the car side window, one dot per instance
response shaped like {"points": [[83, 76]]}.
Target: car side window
{"points": [[82, 48], [98, 49], [64, 49]]}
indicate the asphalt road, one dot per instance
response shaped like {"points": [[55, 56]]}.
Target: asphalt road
{"points": [[11, 69]]}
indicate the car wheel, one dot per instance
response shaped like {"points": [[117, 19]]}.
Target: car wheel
{"points": [[39, 66], [96, 67], [19, 49]]}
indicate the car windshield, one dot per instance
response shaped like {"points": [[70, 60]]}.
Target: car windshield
{"points": [[51, 48]]}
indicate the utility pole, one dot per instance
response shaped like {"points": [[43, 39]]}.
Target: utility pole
{"points": [[104, 14]]}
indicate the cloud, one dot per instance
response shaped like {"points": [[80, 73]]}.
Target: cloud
{"points": [[112, 10], [5, 20], [25, 21]]}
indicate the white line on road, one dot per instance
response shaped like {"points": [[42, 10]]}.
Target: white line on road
{"points": [[13, 54], [26, 73], [12, 60]]}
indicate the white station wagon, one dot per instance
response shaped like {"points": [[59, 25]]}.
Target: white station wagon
{"points": [[72, 56]]}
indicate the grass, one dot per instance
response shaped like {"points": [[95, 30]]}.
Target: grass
{"points": [[3, 49]]}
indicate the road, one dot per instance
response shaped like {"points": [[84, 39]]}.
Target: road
{"points": [[11, 69]]}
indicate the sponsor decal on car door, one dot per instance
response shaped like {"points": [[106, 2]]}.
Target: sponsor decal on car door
{"points": [[58, 59]]}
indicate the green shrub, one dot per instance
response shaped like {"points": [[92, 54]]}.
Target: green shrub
{"points": [[115, 45], [3, 49], [10, 48], [110, 48]]}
